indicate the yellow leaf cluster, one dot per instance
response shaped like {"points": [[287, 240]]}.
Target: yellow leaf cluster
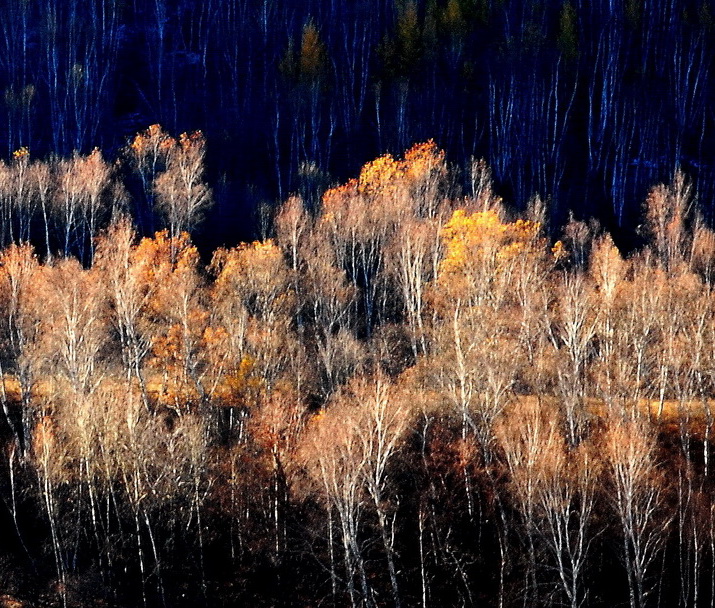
{"points": [[157, 254], [469, 237], [21, 153], [43, 438], [466, 234], [559, 251], [313, 55], [263, 260], [380, 176], [422, 160], [386, 175]]}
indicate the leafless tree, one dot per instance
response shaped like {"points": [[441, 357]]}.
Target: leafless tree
{"points": [[638, 499], [73, 326], [181, 194], [667, 209], [128, 275], [573, 339]]}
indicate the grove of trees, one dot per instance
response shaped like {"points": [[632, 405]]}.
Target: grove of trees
{"points": [[587, 102], [407, 394]]}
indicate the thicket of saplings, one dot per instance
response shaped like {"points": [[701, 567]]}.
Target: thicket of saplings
{"points": [[403, 398]]}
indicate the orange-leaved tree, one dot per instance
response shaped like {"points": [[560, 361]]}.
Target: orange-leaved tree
{"points": [[178, 308]]}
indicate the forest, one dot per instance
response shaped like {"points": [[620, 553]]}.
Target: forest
{"points": [[585, 102], [408, 394], [380, 303]]}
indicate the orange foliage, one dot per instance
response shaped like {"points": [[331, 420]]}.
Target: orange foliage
{"points": [[313, 55], [152, 142], [257, 273], [387, 177], [191, 140], [240, 385], [155, 254], [21, 153], [424, 159], [263, 257], [380, 176]]}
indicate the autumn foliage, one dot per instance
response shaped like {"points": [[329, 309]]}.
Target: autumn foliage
{"points": [[407, 396]]}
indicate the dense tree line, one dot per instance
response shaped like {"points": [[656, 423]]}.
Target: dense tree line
{"points": [[585, 102], [406, 396]]}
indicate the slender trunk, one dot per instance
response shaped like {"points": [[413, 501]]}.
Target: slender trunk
{"points": [[93, 508], [47, 229], [331, 551], [423, 571], [387, 544], [530, 575], [706, 442], [3, 401], [199, 526], [276, 508], [56, 545], [157, 559], [348, 559], [361, 572], [13, 500], [140, 555], [712, 556], [629, 572]]}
